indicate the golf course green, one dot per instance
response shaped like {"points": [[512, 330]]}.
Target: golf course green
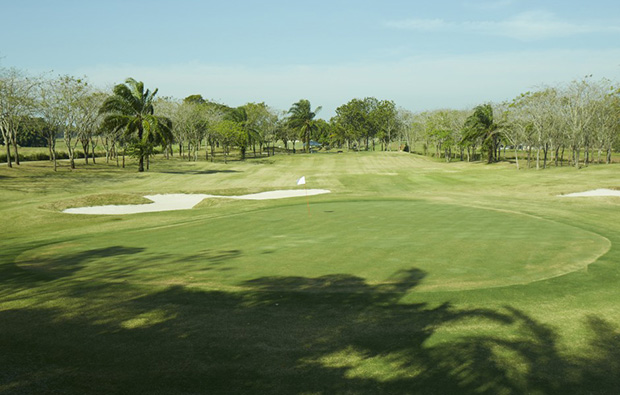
{"points": [[411, 276]]}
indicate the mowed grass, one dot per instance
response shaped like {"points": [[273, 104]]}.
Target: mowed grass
{"points": [[457, 247], [412, 276]]}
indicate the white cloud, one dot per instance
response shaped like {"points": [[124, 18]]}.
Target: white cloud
{"points": [[535, 25], [417, 83], [527, 26]]}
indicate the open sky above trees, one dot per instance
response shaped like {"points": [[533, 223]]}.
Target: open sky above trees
{"points": [[422, 55]]}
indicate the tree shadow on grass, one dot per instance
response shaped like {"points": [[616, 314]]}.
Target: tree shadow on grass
{"points": [[210, 257], [57, 266], [54, 266], [334, 334], [197, 172]]}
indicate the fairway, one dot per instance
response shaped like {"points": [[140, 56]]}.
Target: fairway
{"points": [[455, 247], [411, 276]]}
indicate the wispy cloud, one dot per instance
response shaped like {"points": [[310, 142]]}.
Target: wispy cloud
{"points": [[527, 26]]}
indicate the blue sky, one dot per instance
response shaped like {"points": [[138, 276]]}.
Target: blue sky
{"points": [[421, 54]]}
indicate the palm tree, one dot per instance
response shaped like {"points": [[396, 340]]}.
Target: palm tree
{"points": [[480, 126], [302, 118], [249, 132], [131, 108]]}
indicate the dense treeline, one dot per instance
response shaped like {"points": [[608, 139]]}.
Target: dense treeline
{"points": [[576, 124]]}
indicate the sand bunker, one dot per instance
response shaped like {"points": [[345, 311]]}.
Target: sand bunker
{"points": [[594, 192], [181, 201]]}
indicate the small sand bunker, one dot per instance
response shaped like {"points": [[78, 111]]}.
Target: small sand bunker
{"points": [[594, 192], [182, 201]]}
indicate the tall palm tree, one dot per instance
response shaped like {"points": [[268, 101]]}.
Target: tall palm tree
{"points": [[302, 118], [249, 132], [130, 108], [480, 126]]}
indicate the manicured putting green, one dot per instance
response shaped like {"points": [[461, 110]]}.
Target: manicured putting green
{"points": [[451, 247]]}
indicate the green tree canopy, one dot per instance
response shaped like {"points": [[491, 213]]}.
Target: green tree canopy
{"points": [[301, 117], [481, 127], [130, 108]]}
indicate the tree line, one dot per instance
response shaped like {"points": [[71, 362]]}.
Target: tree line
{"points": [[577, 123]]}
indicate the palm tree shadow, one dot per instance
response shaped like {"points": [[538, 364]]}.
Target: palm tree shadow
{"points": [[197, 172], [289, 335], [53, 267]]}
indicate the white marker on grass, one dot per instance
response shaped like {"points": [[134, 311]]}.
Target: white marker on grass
{"points": [[302, 181]]}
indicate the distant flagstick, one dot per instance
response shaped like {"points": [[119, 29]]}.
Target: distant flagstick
{"points": [[302, 181]]}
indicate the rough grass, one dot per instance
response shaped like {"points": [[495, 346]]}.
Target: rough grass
{"points": [[413, 276], [100, 199]]}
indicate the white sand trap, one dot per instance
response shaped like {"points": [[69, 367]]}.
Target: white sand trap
{"points": [[594, 192], [279, 194], [182, 201]]}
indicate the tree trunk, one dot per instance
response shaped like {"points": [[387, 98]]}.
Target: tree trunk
{"points": [[71, 155], [576, 152], [85, 148], [516, 157], [141, 159], [8, 153], [15, 150]]}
